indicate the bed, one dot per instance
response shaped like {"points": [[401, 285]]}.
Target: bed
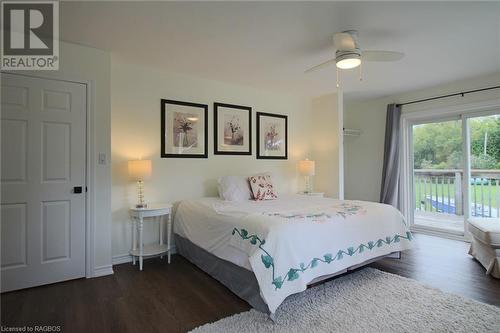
{"points": [[265, 251]]}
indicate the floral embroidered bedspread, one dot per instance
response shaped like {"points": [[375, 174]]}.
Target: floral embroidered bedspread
{"points": [[290, 244]]}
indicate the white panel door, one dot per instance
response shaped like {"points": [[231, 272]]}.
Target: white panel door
{"points": [[43, 158]]}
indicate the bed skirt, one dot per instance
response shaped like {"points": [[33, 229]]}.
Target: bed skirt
{"points": [[239, 280]]}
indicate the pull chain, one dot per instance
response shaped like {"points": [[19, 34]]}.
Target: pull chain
{"points": [[361, 71], [338, 77]]}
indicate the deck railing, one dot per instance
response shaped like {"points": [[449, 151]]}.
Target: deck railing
{"points": [[441, 191]]}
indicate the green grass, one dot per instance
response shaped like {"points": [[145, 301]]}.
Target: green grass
{"points": [[442, 190]]}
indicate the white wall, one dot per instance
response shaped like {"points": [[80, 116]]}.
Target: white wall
{"points": [[86, 64], [135, 99], [324, 132], [363, 155]]}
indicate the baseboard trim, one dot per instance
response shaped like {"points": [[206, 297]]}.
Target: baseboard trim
{"points": [[103, 270], [126, 258], [121, 259]]}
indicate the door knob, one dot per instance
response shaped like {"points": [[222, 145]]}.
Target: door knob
{"points": [[77, 189]]}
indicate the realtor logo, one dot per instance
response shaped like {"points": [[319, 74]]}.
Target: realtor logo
{"points": [[30, 35]]}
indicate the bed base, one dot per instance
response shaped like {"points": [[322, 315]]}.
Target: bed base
{"points": [[239, 280]]}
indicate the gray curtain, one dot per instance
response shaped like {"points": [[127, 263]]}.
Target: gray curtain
{"points": [[389, 192]]}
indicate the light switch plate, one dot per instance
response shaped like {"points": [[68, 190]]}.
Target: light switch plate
{"points": [[102, 158]]}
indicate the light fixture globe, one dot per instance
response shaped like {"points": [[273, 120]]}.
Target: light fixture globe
{"points": [[347, 60]]}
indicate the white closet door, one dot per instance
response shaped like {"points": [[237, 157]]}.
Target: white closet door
{"points": [[43, 124]]}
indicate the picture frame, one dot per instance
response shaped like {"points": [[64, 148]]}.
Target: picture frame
{"points": [[272, 136], [184, 129], [232, 129]]}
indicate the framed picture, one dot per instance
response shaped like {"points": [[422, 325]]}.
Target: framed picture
{"points": [[232, 129], [184, 129], [272, 136]]}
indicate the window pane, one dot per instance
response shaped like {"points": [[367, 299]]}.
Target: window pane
{"points": [[485, 166], [437, 175]]}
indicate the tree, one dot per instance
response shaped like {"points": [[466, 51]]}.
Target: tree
{"points": [[439, 145]]}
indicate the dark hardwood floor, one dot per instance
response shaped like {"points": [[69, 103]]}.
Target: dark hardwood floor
{"points": [[445, 264], [179, 296]]}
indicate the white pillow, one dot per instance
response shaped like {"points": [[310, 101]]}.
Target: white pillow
{"points": [[234, 188]]}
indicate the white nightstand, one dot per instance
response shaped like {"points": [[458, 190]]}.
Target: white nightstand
{"points": [[138, 216], [313, 194]]}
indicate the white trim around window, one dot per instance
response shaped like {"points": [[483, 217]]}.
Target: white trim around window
{"points": [[408, 119]]}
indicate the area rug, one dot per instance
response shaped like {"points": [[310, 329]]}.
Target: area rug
{"points": [[368, 300]]}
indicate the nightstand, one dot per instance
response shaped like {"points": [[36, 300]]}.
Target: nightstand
{"points": [[151, 213], [313, 194]]}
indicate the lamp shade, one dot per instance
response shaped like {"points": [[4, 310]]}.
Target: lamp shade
{"points": [[139, 169], [307, 168]]}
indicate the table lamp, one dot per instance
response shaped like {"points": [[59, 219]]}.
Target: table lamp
{"points": [[139, 170], [307, 169]]}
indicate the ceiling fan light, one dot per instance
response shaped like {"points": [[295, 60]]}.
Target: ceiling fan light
{"points": [[348, 62]]}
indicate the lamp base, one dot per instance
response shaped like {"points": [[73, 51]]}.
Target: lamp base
{"points": [[308, 185], [140, 195]]}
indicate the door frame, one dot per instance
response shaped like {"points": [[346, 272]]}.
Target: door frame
{"points": [[90, 159], [408, 119], [409, 147]]}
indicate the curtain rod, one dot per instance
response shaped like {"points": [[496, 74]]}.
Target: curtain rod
{"points": [[450, 95]]}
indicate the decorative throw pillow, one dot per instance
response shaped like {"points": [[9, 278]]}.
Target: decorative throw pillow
{"points": [[234, 188], [262, 187]]}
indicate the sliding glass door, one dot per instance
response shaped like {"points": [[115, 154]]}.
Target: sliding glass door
{"points": [[484, 160], [437, 175], [451, 170]]}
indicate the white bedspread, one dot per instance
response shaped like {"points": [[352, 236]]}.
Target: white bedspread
{"points": [[197, 221], [293, 240]]}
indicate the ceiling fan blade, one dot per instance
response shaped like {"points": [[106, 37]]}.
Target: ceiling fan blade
{"points": [[344, 41], [382, 56], [322, 65]]}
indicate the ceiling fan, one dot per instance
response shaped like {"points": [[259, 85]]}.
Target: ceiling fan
{"points": [[349, 55]]}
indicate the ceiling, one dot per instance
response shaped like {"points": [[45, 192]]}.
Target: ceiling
{"points": [[269, 45]]}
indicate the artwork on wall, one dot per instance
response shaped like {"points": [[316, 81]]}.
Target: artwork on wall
{"points": [[272, 136], [232, 129], [184, 129]]}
